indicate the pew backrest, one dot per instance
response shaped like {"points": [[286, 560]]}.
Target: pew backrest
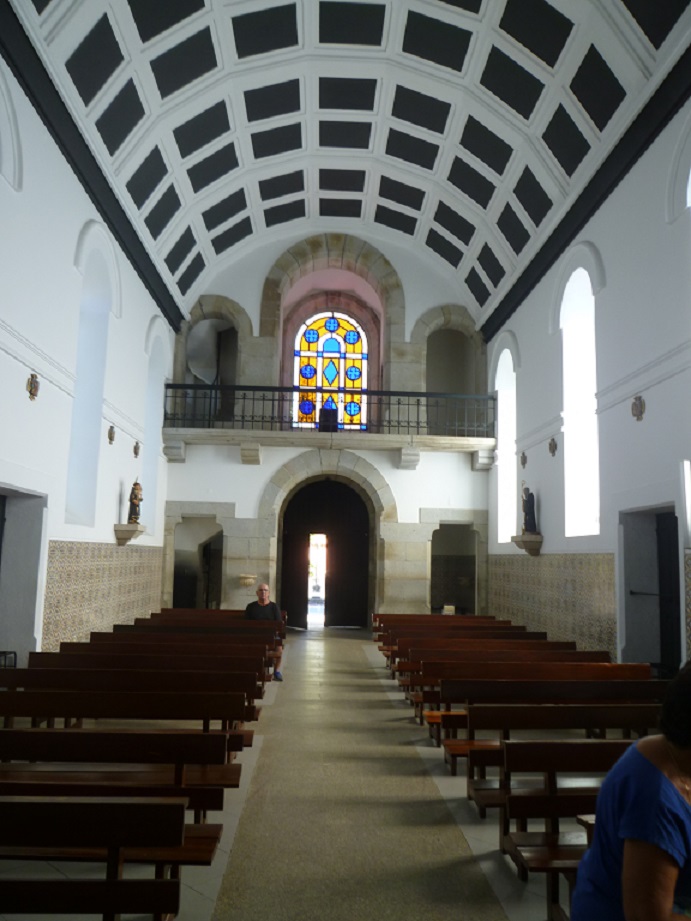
{"points": [[483, 690]]}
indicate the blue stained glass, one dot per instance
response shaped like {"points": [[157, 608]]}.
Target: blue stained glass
{"points": [[353, 373], [331, 372], [332, 345], [351, 337], [311, 335], [307, 407], [331, 324], [352, 408], [329, 404], [308, 372]]}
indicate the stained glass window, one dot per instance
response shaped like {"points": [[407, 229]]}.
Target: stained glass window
{"points": [[330, 371]]}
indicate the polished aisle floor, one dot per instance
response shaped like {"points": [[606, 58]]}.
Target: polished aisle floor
{"points": [[346, 815]]}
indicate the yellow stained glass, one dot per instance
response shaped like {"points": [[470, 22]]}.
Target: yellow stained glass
{"points": [[330, 371]]}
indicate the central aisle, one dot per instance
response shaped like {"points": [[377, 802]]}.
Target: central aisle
{"points": [[342, 820]]}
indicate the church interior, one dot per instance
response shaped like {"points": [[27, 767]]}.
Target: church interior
{"points": [[431, 314]]}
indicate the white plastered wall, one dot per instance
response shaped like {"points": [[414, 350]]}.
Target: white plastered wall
{"points": [[49, 228]]}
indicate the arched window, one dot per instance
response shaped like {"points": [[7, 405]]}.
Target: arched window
{"points": [[581, 443], [505, 385], [330, 371]]}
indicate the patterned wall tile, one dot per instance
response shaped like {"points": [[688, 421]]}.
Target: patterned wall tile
{"points": [[570, 596], [93, 586]]}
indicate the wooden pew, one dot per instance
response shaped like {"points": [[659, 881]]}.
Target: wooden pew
{"points": [[579, 763], [454, 692], [434, 672], [383, 622], [121, 675], [501, 721], [181, 642], [390, 651], [223, 707], [434, 643], [127, 678], [208, 615], [110, 825], [120, 762], [516, 653], [254, 628], [172, 643], [157, 658], [410, 672]]}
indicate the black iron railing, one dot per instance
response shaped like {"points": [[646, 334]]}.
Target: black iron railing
{"points": [[278, 409]]}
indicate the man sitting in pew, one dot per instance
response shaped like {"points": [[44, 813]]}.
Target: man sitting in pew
{"points": [[264, 609]]}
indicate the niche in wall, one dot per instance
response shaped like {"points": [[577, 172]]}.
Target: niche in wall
{"points": [[212, 356], [197, 580], [453, 568], [450, 368]]}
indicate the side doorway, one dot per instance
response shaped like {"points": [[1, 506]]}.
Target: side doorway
{"points": [[652, 595], [336, 510]]}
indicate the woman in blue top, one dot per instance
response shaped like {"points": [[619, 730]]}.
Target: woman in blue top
{"points": [[638, 867]]}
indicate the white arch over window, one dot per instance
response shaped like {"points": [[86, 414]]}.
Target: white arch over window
{"points": [[507, 479], [100, 296], [10, 140], [679, 183], [158, 349], [581, 442]]}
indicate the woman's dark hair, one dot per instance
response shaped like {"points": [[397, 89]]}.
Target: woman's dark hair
{"points": [[675, 716]]}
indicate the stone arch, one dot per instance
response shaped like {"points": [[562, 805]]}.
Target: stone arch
{"points": [[446, 316], [336, 251], [348, 468], [455, 317], [344, 465], [214, 307]]}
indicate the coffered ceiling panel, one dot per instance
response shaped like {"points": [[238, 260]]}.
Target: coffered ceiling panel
{"points": [[476, 132]]}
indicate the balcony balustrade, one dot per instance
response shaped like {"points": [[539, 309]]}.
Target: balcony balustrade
{"points": [[278, 409]]}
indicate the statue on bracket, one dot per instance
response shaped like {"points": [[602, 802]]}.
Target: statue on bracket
{"points": [[136, 499], [529, 519]]}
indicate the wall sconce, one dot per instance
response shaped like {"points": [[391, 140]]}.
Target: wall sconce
{"points": [[111, 434], [33, 385], [552, 446], [523, 459], [136, 449], [638, 408]]}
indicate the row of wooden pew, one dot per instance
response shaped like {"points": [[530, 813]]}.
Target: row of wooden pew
{"points": [[538, 723], [113, 751]]}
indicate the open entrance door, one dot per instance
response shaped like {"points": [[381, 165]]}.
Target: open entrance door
{"points": [[334, 509]]}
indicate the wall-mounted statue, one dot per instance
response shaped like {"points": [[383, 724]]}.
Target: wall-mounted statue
{"points": [[529, 519], [136, 499]]}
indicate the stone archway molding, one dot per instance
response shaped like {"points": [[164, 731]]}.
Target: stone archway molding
{"points": [[223, 513], [215, 307], [348, 253], [346, 465]]}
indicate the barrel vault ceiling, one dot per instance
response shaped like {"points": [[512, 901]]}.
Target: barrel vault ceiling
{"points": [[476, 135]]}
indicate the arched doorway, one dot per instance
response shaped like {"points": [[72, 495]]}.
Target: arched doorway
{"points": [[335, 509]]}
